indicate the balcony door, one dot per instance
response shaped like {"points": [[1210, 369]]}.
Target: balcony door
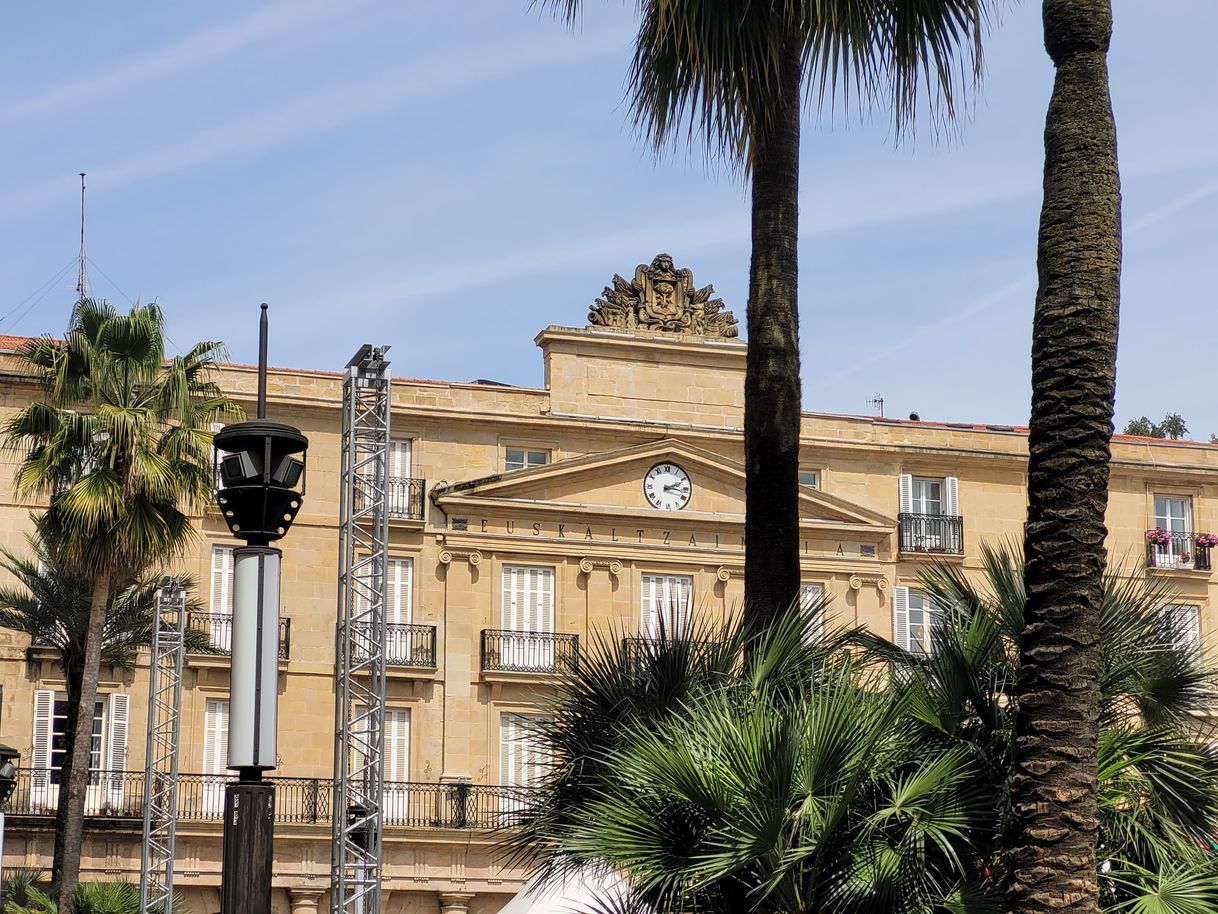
{"points": [[527, 610], [668, 601], [811, 604], [220, 620], [929, 506], [396, 788], [398, 472], [1174, 513], [524, 756], [215, 756], [399, 586], [107, 788]]}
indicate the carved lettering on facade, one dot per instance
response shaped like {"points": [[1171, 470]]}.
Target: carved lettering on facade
{"points": [[661, 297]]}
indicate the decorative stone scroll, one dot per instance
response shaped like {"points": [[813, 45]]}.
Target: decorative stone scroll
{"points": [[662, 298], [726, 572], [473, 555], [858, 580], [613, 566]]}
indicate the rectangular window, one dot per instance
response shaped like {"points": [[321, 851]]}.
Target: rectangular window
{"points": [[519, 458], [929, 495], [524, 755], [915, 616], [811, 598], [1174, 513], [1185, 621], [220, 619], [668, 601], [528, 599], [810, 478], [400, 453], [215, 754]]}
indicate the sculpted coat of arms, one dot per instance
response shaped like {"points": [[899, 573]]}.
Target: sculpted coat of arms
{"points": [[662, 298]]}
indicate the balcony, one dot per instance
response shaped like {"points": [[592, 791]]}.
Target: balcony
{"points": [[935, 534], [406, 498], [219, 626], [1178, 551], [528, 652], [119, 796], [406, 644]]}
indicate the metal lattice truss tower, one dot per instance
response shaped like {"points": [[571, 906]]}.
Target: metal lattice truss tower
{"points": [[161, 766], [355, 879]]}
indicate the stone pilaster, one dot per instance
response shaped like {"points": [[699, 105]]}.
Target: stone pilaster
{"points": [[305, 901], [455, 902]]}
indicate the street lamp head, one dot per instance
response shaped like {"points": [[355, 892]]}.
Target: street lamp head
{"points": [[261, 470]]}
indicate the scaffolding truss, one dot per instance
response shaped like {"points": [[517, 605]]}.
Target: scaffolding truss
{"points": [[161, 758], [359, 689]]}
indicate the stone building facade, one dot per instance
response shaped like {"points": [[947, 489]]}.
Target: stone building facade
{"points": [[526, 522]]}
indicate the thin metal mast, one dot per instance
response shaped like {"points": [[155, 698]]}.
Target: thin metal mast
{"points": [[161, 758], [82, 276], [359, 713]]}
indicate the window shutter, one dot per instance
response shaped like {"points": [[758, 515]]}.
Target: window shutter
{"points": [[44, 708], [398, 602], [951, 496], [545, 601], [399, 458], [215, 737], [222, 580], [397, 744], [900, 617], [116, 738], [906, 491], [509, 750], [508, 609], [810, 604], [650, 622]]}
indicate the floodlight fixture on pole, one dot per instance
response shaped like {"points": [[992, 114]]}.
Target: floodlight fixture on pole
{"points": [[260, 466]]}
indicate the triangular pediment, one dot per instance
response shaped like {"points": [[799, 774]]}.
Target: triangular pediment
{"points": [[611, 482]]}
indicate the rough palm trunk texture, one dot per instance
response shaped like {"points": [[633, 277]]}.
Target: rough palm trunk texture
{"points": [[1074, 340], [72, 681], [771, 382], [76, 781]]}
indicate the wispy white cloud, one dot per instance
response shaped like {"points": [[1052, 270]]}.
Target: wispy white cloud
{"points": [[207, 46], [320, 113]]}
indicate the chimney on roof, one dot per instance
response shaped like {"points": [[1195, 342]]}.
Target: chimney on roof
{"points": [[914, 417]]}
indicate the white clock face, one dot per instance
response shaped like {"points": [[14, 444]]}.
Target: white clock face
{"points": [[667, 487]]}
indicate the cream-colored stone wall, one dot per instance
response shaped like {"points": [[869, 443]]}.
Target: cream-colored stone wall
{"points": [[614, 404]]}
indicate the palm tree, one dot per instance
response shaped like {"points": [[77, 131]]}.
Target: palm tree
{"points": [[122, 444], [50, 603], [1157, 780], [784, 778], [739, 70], [1074, 337]]}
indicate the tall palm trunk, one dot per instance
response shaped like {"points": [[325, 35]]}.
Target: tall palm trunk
{"points": [[771, 382], [73, 674], [1074, 341], [78, 768]]}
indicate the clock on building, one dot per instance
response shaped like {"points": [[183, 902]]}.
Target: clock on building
{"points": [[667, 487]]}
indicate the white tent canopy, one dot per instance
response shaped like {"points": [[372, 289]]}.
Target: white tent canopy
{"points": [[574, 894]]}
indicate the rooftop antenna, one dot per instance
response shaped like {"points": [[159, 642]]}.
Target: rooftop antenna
{"points": [[82, 279], [877, 402]]}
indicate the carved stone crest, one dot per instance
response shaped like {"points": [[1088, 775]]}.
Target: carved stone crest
{"points": [[662, 298]]}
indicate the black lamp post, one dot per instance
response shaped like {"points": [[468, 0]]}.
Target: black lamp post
{"points": [[261, 469]]}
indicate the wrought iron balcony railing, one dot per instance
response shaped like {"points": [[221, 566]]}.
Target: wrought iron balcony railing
{"points": [[529, 652], [120, 795], [1180, 550], [219, 626], [937, 533], [406, 644], [406, 498]]}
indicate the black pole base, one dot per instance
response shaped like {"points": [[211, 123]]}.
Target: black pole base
{"points": [[249, 825]]}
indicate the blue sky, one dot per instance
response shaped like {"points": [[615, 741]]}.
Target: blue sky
{"points": [[451, 182]]}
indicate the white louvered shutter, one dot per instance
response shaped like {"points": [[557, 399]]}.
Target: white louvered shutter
{"points": [[951, 496], [397, 744], [399, 458], [510, 750], [217, 454], [116, 737], [906, 492], [650, 622], [215, 737], [810, 605], [44, 710], [900, 617], [116, 744], [678, 596], [401, 582], [222, 580]]}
